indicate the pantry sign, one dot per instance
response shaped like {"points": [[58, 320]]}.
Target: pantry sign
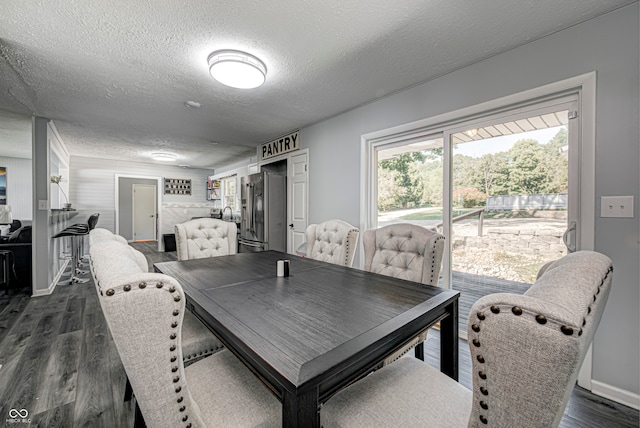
{"points": [[279, 146]]}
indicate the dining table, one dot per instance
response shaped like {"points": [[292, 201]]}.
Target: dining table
{"points": [[307, 335]]}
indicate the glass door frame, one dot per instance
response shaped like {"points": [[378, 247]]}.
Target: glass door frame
{"points": [[583, 86]]}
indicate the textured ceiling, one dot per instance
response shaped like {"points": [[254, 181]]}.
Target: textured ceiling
{"points": [[114, 75]]}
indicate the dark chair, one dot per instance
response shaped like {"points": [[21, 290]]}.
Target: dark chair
{"points": [[77, 232]]}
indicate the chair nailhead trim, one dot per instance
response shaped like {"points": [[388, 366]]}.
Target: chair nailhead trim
{"points": [[179, 400], [172, 336], [182, 408], [566, 330], [172, 348], [184, 418], [176, 313], [173, 358], [541, 319], [142, 285], [111, 292], [174, 369], [172, 289], [174, 324], [127, 287], [176, 299], [159, 285], [176, 379], [178, 389]]}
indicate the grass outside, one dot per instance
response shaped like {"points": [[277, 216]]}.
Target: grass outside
{"points": [[435, 213]]}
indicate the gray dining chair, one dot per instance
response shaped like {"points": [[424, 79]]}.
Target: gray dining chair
{"points": [[206, 237], [405, 251], [333, 241], [197, 341], [145, 314], [526, 352]]}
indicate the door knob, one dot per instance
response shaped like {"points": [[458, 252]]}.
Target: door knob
{"points": [[291, 225]]}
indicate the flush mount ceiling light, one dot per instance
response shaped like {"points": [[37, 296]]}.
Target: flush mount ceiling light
{"points": [[237, 69], [192, 104], [163, 156]]}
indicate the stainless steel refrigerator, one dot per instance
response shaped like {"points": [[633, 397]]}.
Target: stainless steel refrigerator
{"points": [[264, 212]]}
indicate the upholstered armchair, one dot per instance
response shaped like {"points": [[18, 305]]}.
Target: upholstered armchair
{"points": [[409, 252], [526, 351], [197, 341], [332, 241], [404, 251], [145, 314], [206, 237]]}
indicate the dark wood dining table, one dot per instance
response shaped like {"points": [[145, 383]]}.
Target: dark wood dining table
{"points": [[310, 334]]}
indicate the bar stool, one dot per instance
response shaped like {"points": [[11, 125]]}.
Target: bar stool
{"points": [[84, 230], [76, 235]]}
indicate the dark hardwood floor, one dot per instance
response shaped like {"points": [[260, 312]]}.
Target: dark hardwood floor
{"points": [[58, 362]]}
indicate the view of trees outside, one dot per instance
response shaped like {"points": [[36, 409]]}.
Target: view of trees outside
{"points": [[528, 167], [410, 189]]}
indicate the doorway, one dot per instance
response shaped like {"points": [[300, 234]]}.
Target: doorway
{"points": [[144, 212], [503, 188], [124, 215]]}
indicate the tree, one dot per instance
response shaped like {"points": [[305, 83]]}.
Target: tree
{"points": [[410, 187], [527, 174]]}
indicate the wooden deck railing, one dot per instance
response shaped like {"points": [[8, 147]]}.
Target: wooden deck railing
{"points": [[480, 211]]}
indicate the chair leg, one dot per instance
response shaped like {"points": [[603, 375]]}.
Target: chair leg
{"points": [[419, 351], [128, 391], [138, 421]]}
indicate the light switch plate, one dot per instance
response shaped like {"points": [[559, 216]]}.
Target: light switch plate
{"points": [[43, 205], [616, 206]]}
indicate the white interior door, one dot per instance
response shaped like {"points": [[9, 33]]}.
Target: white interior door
{"points": [[297, 177], [144, 212]]}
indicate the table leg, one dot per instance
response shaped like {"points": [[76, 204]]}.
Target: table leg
{"points": [[449, 342], [300, 411]]}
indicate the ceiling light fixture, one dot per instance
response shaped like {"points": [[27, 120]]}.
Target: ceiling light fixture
{"points": [[163, 156], [237, 69], [471, 132]]}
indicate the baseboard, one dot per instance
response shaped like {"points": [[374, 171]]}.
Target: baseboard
{"points": [[616, 394], [53, 284], [46, 291]]}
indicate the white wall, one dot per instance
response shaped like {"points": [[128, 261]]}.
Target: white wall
{"points": [[93, 185], [608, 45], [19, 186]]}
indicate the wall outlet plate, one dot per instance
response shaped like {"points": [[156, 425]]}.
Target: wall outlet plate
{"points": [[616, 206], [43, 205]]}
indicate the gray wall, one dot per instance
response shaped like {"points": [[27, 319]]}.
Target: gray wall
{"points": [[608, 45], [93, 182], [125, 205]]}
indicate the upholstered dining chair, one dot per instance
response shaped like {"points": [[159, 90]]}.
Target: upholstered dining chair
{"points": [[145, 315], [206, 237], [404, 251], [526, 352], [197, 341], [332, 241]]}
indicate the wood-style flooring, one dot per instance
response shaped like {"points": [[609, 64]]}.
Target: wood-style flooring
{"points": [[58, 362]]}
